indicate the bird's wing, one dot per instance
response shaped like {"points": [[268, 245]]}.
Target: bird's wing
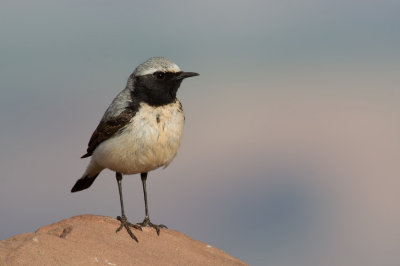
{"points": [[107, 128]]}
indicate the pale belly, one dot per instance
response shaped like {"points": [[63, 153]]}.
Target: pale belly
{"points": [[150, 141]]}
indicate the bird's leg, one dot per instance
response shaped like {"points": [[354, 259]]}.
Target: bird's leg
{"points": [[146, 221], [124, 222]]}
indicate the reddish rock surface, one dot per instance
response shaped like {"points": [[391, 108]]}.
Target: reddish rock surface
{"points": [[91, 240]]}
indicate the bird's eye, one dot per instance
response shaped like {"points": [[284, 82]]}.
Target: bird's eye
{"points": [[159, 75]]}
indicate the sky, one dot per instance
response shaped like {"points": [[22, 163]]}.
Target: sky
{"points": [[291, 144]]}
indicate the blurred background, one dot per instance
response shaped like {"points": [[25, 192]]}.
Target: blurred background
{"points": [[291, 145]]}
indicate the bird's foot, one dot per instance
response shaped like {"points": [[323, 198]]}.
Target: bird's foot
{"points": [[146, 222], [125, 223]]}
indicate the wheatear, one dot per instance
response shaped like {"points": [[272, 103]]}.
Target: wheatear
{"points": [[140, 131]]}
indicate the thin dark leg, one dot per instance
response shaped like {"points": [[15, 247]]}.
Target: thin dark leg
{"points": [[121, 199], [143, 176], [146, 221], [122, 218]]}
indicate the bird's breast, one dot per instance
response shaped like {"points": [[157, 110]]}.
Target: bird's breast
{"points": [[158, 126], [150, 140]]}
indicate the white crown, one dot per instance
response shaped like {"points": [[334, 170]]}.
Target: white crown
{"points": [[155, 64]]}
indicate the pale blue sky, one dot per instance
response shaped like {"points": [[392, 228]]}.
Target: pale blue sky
{"points": [[291, 143]]}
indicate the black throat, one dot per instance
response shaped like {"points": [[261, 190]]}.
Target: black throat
{"points": [[156, 92]]}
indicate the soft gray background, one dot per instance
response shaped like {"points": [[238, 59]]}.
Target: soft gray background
{"points": [[291, 146]]}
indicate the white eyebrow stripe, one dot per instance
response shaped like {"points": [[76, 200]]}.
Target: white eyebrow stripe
{"points": [[151, 70]]}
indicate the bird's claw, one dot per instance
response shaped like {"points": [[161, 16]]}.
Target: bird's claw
{"points": [[125, 223], [146, 222]]}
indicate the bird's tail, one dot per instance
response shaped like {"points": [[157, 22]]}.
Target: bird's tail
{"points": [[92, 171]]}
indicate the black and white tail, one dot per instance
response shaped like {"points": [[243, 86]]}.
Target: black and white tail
{"points": [[92, 171]]}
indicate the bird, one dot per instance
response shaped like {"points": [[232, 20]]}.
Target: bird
{"points": [[140, 131]]}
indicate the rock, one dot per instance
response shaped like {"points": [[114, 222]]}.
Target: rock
{"points": [[91, 240]]}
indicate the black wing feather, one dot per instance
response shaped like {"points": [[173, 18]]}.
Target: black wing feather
{"points": [[108, 128]]}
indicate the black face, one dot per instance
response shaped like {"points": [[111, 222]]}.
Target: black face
{"points": [[159, 88]]}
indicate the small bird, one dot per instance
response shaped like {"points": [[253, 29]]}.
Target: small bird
{"points": [[140, 131]]}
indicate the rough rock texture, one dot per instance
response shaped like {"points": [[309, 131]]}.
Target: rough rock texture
{"points": [[91, 240]]}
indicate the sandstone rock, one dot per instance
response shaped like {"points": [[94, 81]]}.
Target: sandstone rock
{"points": [[91, 240]]}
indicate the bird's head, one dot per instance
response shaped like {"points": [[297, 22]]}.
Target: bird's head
{"points": [[157, 80]]}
